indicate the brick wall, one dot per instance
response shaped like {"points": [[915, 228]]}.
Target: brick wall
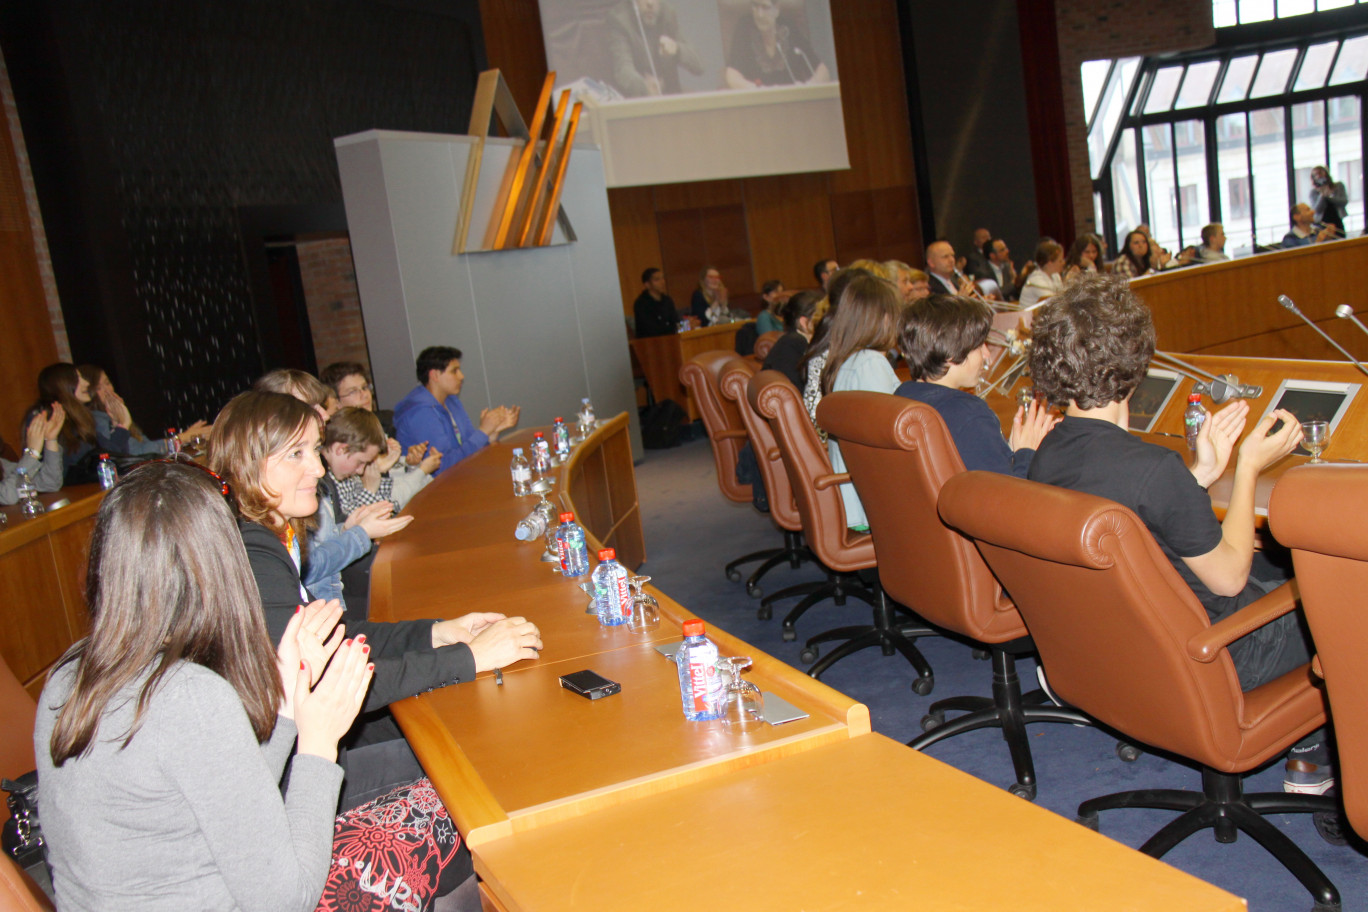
{"points": [[1101, 29], [329, 279]]}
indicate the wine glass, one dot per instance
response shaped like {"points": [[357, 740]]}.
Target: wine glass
{"points": [[1026, 395], [1315, 437], [743, 706], [645, 609]]}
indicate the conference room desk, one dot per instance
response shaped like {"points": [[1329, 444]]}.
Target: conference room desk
{"points": [[621, 803], [661, 357]]}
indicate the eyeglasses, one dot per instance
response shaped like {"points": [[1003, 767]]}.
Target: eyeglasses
{"points": [[355, 391]]}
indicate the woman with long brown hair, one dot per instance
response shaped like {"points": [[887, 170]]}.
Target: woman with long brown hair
{"points": [[63, 384], [109, 411], [162, 736]]}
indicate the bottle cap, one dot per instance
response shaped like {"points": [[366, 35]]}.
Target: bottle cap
{"points": [[517, 451], [560, 420], [1194, 397], [607, 554], [567, 517], [104, 455], [693, 627], [538, 434]]}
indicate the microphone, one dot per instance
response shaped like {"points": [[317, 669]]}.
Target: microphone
{"points": [[1228, 386], [1287, 304], [1345, 312]]}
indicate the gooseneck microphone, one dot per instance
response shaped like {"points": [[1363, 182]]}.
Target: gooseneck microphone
{"points": [[1288, 304], [1220, 389], [1345, 312]]}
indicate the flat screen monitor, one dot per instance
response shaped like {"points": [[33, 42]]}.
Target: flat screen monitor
{"points": [[1151, 398], [1312, 400]]}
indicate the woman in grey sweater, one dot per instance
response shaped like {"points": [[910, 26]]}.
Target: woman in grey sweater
{"points": [[42, 459], [161, 737]]}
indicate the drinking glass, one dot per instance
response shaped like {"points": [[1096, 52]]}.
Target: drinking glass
{"points": [[1026, 395], [645, 609], [743, 706], [1316, 435]]}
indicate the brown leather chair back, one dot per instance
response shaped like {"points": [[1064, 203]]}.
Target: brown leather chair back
{"points": [[17, 892], [815, 487], [899, 454], [1112, 620], [720, 418], [1318, 511], [736, 375], [765, 343]]}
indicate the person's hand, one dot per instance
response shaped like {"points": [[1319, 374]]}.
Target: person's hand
{"points": [[117, 411], [1030, 425], [324, 714], [307, 638], [504, 642], [694, 321], [652, 85], [414, 456], [510, 417], [1161, 258], [383, 521], [668, 46], [967, 286], [722, 294], [1186, 255], [431, 461], [1327, 233], [491, 420], [463, 629], [1261, 448], [386, 460], [370, 477], [55, 419], [198, 429], [36, 433], [1216, 441], [367, 512]]}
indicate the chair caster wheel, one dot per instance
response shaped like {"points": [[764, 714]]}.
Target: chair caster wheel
{"points": [[1330, 826], [1023, 791], [734, 575], [809, 654], [1088, 822], [764, 613], [982, 655], [923, 686], [1127, 752], [789, 634], [932, 721], [754, 591]]}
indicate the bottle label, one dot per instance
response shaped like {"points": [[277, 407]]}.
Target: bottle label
{"points": [[703, 678], [522, 473]]}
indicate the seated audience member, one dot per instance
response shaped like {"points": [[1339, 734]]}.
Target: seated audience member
{"points": [[904, 279], [265, 445], [62, 384], [1213, 244], [976, 260], [940, 263], [1160, 258], [108, 409], [1134, 259], [1083, 258], [161, 737], [823, 270], [998, 267], [303, 385], [944, 339], [41, 459], [789, 348], [432, 412], [1091, 346], [774, 296], [351, 382], [654, 312], [1305, 231], [921, 286], [1047, 278], [863, 332], [768, 48], [709, 304], [814, 360]]}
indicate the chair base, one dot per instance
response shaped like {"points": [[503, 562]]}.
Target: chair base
{"points": [[1009, 710], [793, 553], [1223, 806], [890, 636]]}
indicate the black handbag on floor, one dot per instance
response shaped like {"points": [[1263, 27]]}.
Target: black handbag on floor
{"points": [[22, 836]]}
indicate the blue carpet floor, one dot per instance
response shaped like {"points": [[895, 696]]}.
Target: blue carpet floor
{"points": [[692, 532]]}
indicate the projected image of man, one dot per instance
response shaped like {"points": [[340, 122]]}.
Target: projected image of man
{"points": [[769, 49], [645, 51]]}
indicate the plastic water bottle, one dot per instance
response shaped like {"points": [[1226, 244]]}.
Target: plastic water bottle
{"points": [[541, 455], [1193, 419], [29, 504], [574, 553], [534, 525], [700, 686], [172, 443], [586, 417], [611, 598], [106, 472], [561, 435], [522, 473]]}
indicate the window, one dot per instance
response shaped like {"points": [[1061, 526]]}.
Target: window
{"points": [[1237, 199], [1225, 13]]}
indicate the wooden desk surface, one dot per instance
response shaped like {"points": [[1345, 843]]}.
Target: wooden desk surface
{"points": [[860, 824]]}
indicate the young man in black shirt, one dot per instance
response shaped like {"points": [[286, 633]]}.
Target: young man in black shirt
{"points": [[1091, 345]]}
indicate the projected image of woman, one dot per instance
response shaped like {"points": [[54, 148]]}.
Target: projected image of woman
{"points": [[769, 49]]}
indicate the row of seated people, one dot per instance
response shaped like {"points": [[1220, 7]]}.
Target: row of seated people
{"points": [[223, 645]]}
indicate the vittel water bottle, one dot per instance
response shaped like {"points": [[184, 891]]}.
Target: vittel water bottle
{"points": [[611, 598], [586, 417], [1193, 419], [522, 473], [29, 504], [541, 455], [700, 686], [534, 525], [574, 553], [106, 472], [173, 444], [561, 435]]}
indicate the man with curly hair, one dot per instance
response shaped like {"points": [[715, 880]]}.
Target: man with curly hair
{"points": [[1091, 346]]}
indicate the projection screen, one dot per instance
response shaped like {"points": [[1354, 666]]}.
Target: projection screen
{"points": [[689, 90]]}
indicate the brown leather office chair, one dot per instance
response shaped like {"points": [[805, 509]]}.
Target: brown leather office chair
{"points": [[18, 893], [765, 343], [735, 375], [899, 454], [1318, 511], [1127, 642], [726, 434], [841, 550]]}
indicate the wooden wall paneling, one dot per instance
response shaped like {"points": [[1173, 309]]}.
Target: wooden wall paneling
{"points": [[853, 225], [33, 639], [698, 195], [71, 553], [682, 251], [727, 249], [789, 222], [636, 238], [873, 96], [513, 43], [897, 225]]}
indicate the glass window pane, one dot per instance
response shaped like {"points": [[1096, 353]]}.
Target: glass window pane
{"points": [[1352, 64], [1295, 8], [1110, 110], [1125, 187], [1271, 201], [1162, 91], [1273, 72], [1256, 11], [1315, 65], [1163, 211], [1094, 74], [1223, 13], [1232, 169], [1190, 147], [1197, 84], [1334, 4], [1237, 77], [1346, 158]]}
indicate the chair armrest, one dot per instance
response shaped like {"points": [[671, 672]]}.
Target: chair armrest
{"points": [[728, 434], [1205, 646], [822, 482], [1316, 667], [772, 454]]}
